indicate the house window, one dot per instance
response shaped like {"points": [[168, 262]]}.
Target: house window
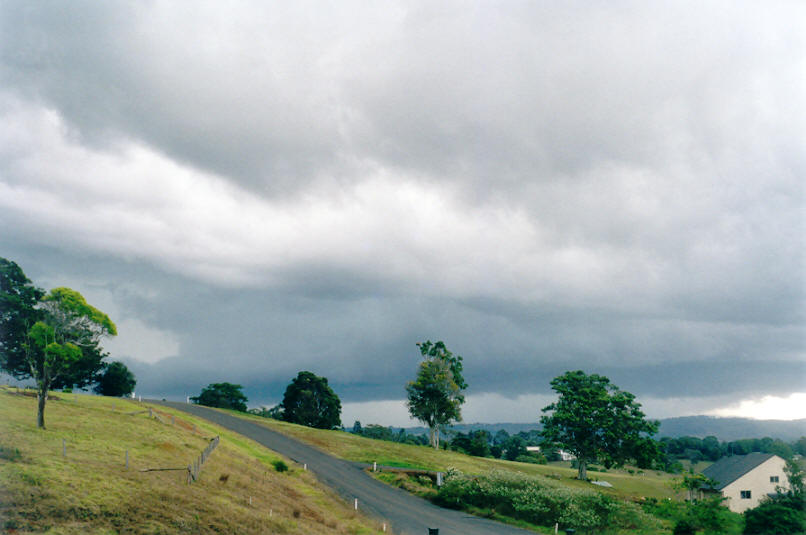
{"points": [[745, 494], [773, 479]]}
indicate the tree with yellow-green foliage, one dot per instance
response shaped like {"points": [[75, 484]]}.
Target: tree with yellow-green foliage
{"points": [[53, 346]]}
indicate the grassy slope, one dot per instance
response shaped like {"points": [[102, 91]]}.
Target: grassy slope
{"points": [[361, 449], [89, 490]]}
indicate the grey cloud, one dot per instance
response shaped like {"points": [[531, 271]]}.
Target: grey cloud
{"points": [[655, 148], [502, 97]]}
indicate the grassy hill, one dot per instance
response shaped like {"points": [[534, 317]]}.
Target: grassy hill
{"points": [[90, 491], [352, 447]]}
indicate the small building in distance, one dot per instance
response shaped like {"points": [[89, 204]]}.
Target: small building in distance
{"points": [[564, 455], [746, 479]]}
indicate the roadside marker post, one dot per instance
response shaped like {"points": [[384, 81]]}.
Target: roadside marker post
{"points": [[356, 504], [374, 467]]}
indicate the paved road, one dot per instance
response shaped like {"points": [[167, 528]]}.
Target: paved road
{"points": [[405, 513]]}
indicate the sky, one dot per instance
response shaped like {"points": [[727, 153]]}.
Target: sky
{"points": [[253, 189]]}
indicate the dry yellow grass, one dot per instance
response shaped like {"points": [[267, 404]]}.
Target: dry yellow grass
{"points": [[90, 491]]}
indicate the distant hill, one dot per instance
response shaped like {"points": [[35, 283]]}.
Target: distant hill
{"points": [[725, 429], [728, 429]]}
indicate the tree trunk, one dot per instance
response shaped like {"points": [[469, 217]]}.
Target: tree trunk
{"points": [[583, 470], [42, 397], [432, 436]]}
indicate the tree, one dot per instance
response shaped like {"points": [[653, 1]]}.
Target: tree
{"points": [[223, 396], [117, 380], [18, 313], [54, 344], [275, 413], [595, 420], [435, 396], [310, 401], [694, 484], [515, 447]]}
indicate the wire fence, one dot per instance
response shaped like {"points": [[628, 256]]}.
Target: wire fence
{"points": [[194, 468]]}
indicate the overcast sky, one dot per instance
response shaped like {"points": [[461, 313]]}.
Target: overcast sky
{"points": [[253, 189]]}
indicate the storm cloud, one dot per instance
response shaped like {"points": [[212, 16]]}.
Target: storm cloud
{"points": [[253, 190]]}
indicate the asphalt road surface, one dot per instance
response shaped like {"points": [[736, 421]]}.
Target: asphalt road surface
{"points": [[404, 513]]}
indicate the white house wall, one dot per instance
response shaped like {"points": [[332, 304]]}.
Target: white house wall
{"points": [[757, 481]]}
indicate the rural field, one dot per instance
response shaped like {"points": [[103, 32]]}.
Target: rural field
{"points": [[89, 489], [638, 502], [352, 447]]}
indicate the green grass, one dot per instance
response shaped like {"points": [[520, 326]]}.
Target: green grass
{"points": [[634, 487], [90, 491]]}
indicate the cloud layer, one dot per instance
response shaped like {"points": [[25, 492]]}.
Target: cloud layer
{"points": [[617, 188]]}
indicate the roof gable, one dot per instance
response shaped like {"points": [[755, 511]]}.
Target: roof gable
{"points": [[728, 469]]}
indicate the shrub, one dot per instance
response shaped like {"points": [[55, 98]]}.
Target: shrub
{"points": [[684, 527], [537, 500], [772, 518], [531, 458], [280, 466]]}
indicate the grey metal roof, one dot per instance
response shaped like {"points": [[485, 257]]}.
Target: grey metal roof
{"points": [[728, 469]]}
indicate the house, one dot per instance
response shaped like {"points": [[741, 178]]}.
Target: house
{"points": [[746, 479], [564, 455]]}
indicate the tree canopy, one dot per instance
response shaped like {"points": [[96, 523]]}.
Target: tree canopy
{"points": [[223, 396], [595, 420], [435, 395], [18, 313], [116, 380], [55, 344], [310, 401]]}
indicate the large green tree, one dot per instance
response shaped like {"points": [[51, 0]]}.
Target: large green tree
{"points": [[18, 313], [116, 380], [309, 400], [222, 395], [435, 395], [54, 344], [596, 421]]}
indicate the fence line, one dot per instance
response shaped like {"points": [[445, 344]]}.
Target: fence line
{"points": [[194, 468]]}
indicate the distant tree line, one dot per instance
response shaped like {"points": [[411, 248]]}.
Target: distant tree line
{"points": [[697, 449], [379, 432]]}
